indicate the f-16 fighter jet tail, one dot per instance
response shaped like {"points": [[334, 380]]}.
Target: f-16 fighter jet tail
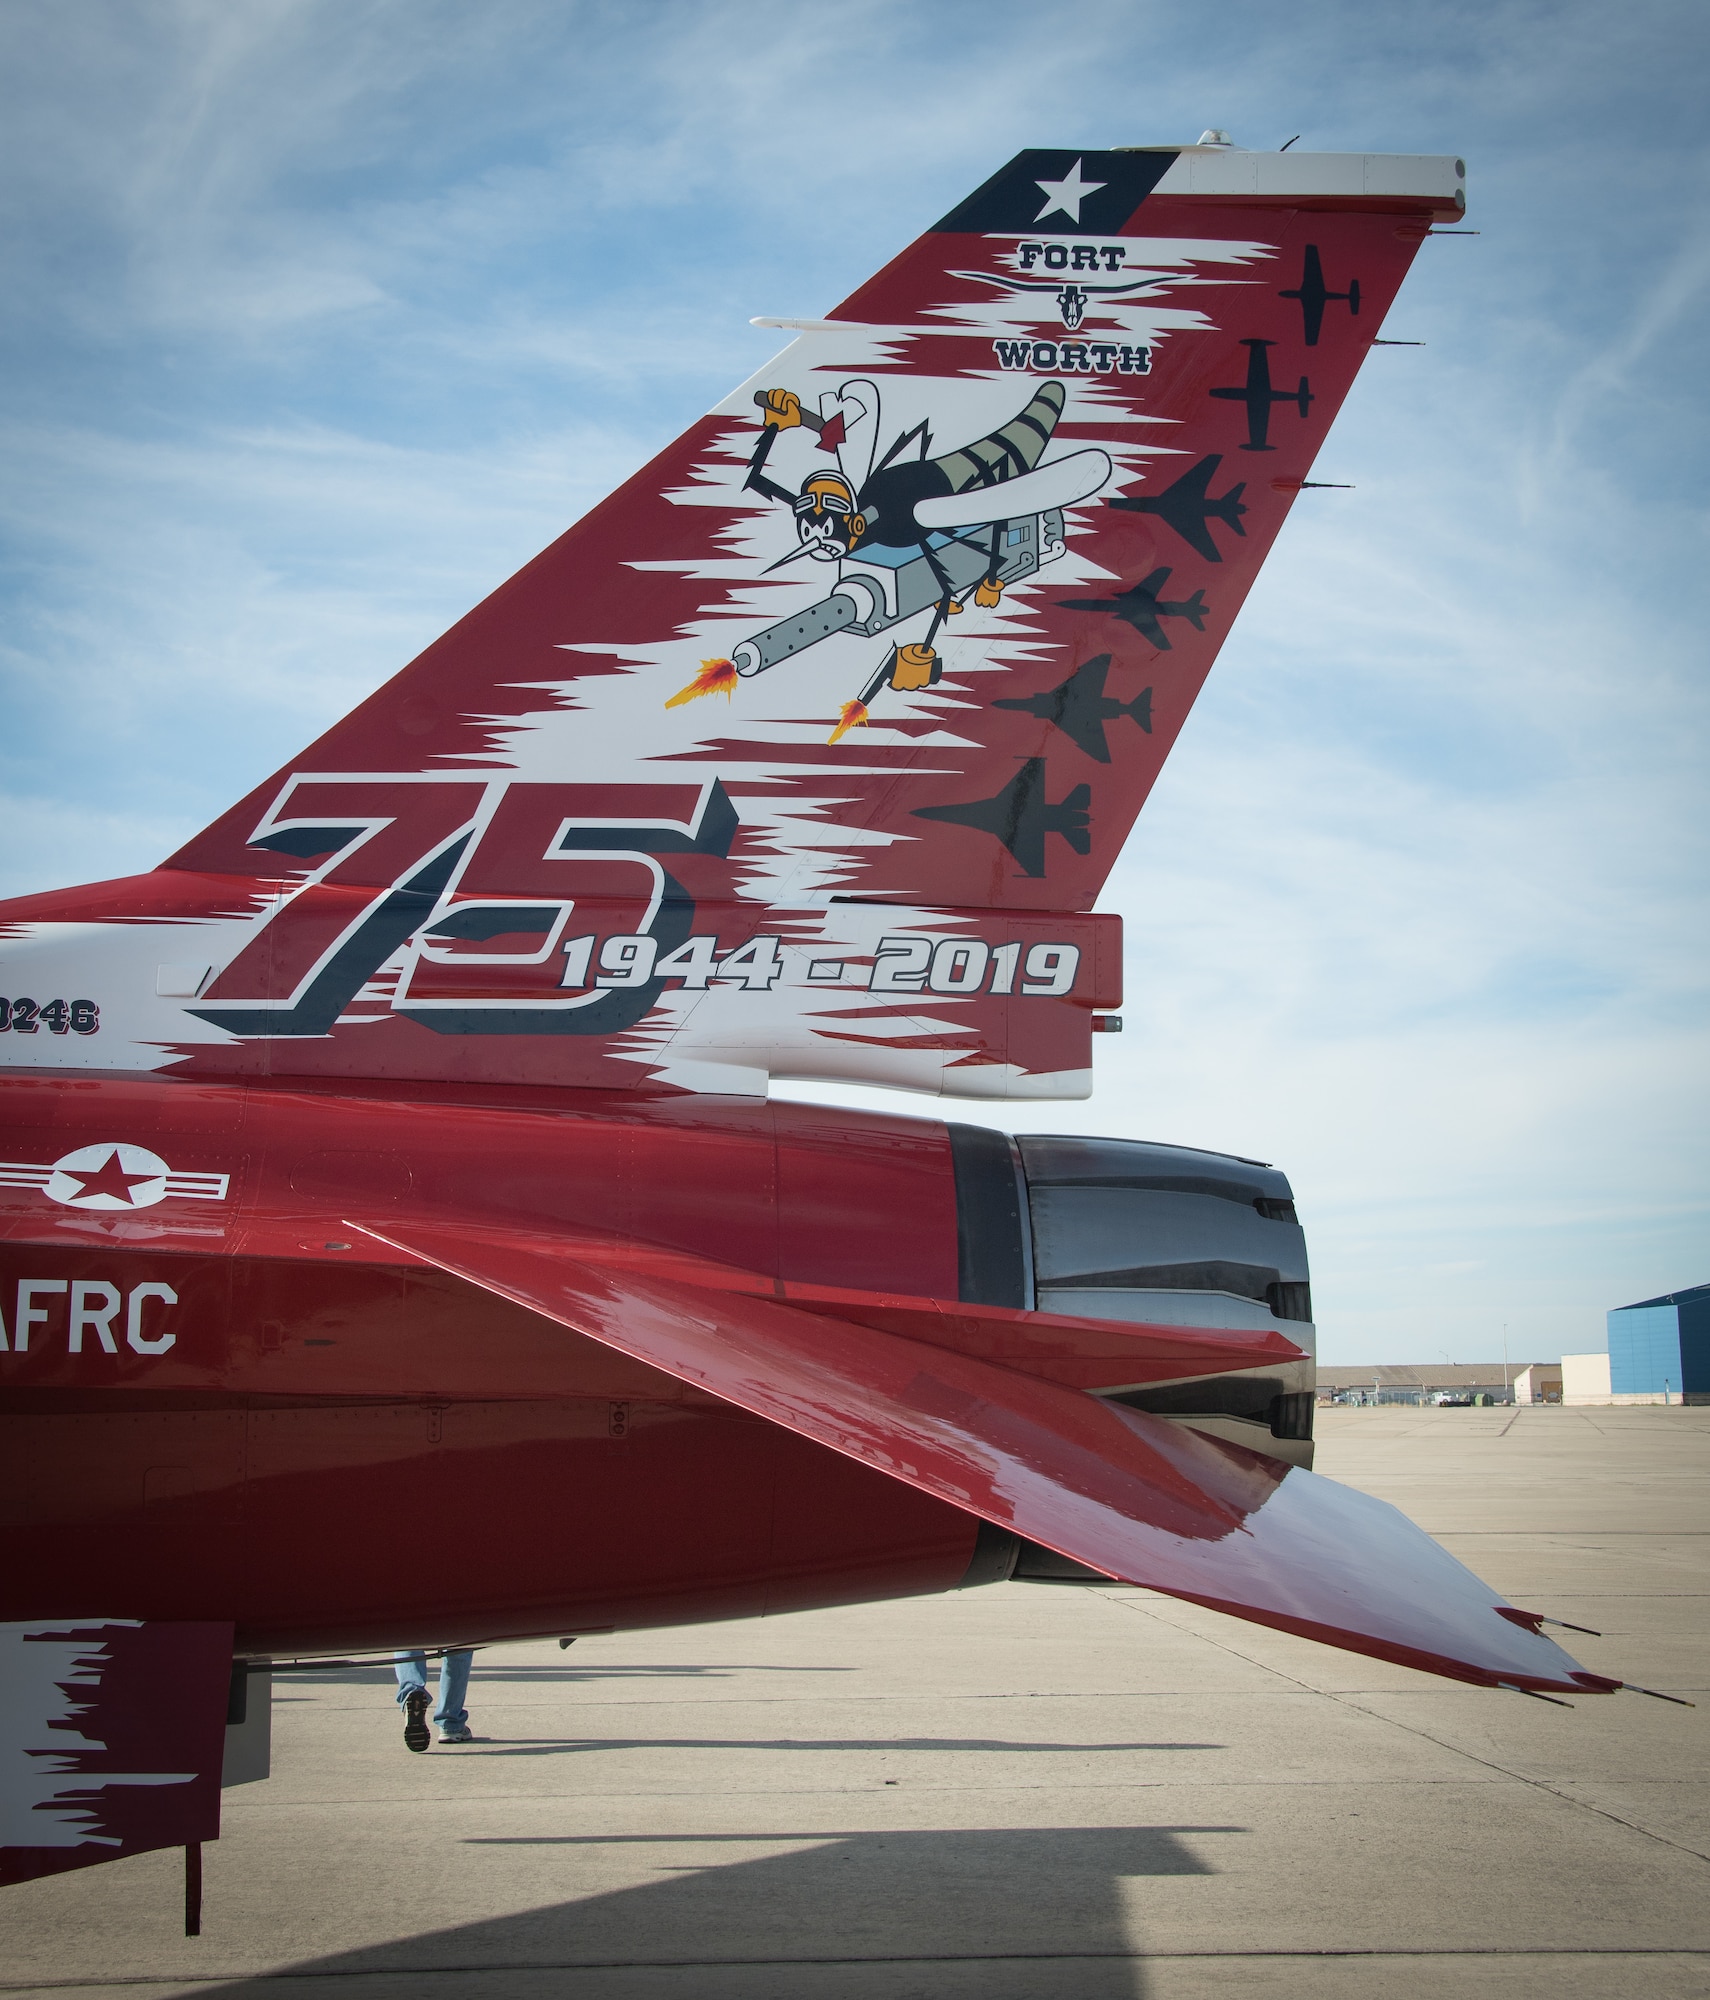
{"points": [[400, 1147]]}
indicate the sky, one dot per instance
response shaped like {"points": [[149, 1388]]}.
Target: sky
{"points": [[322, 316]]}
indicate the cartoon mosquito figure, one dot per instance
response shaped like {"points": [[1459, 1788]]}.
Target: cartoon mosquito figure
{"points": [[909, 534]]}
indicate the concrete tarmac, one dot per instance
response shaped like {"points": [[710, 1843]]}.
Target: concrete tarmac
{"points": [[1023, 1792]]}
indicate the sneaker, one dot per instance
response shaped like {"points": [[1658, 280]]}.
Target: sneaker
{"points": [[457, 1732], [416, 1705]]}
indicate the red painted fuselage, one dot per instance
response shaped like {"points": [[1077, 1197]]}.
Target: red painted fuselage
{"points": [[336, 1450]]}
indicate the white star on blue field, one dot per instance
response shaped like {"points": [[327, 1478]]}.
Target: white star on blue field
{"points": [[1065, 196], [321, 318]]}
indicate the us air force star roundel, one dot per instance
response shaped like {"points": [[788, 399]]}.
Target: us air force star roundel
{"points": [[112, 1175], [108, 1176], [1067, 194]]}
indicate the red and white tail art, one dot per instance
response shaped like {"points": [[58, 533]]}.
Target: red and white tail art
{"points": [[807, 752], [400, 1148], [112, 1743]]}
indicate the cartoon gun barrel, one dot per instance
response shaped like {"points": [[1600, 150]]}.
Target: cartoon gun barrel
{"points": [[794, 635]]}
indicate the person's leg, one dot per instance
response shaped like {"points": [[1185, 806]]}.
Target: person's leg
{"points": [[413, 1698], [451, 1715]]}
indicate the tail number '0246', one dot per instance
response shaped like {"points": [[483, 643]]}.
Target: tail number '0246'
{"points": [[59, 1017], [970, 965]]}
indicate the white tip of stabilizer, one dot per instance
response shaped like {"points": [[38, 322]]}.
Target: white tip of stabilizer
{"points": [[1213, 137]]}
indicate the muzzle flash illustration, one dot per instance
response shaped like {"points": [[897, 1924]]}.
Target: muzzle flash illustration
{"points": [[911, 535]]}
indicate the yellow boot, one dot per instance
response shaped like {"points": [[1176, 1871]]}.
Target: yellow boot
{"points": [[916, 668], [990, 592]]}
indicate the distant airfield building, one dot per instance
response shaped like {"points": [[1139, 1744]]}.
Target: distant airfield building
{"points": [[1659, 1352], [1541, 1382], [1408, 1382], [1585, 1379]]}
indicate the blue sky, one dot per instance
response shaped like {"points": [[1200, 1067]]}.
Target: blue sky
{"points": [[321, 318]]}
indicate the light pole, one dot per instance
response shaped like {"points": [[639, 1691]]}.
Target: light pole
{"points": [[1505, 1389]]}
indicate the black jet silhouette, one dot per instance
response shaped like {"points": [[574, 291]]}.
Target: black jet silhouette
{"points": [[1258, 395], [1188, 507], [1314, 295], [1142, 607], [1021, 817], [1080, 707]]}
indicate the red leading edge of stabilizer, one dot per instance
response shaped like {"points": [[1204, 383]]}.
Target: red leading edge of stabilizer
{"points": [[1124, 1492]]}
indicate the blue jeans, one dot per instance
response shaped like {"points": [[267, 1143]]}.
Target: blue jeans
{"points": [[453, 1684]]}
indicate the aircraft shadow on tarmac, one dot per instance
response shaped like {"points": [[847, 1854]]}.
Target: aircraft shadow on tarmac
{"points": [[546, 1746], [379, 1674], [1032, 1912]]}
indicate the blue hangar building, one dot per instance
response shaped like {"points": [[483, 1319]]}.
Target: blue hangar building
{"points": [[1662, 1344]]}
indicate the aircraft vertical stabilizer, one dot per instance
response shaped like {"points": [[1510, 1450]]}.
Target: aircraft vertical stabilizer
{"points": [[787, 760]]}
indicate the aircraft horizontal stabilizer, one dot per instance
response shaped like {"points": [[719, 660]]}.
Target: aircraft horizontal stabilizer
{"points": [[1143, 1500]]}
